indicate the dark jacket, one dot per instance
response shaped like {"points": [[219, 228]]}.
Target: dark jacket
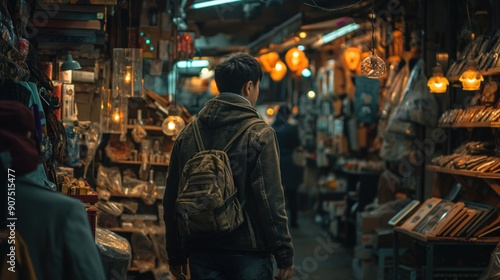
{"points": [[288, 140], [254, 161]]}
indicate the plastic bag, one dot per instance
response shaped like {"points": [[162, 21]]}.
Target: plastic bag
{"points": [[113, 208], [110, 179], [418, 106], [493, 270], [116, 253], [144, 257]]}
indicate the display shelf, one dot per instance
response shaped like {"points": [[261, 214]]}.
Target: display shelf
{"points": [[120, 229], [492, 179], [489, 72], [122, 195], [92, 198], [147, 127], [443, 239], [140, 162], [471, 124], [468, 173]]}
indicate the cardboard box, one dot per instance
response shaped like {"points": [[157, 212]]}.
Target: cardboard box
{"points": [[368, 222], [365, 244]]}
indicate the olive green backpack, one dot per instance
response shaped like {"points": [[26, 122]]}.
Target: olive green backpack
{"points": [[206, 203]]}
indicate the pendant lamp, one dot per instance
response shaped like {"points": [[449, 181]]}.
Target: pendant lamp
{"points": [[296, 60], [471, 79], [438, 82], [373, 66], [279, 71], [352, 57], [174, 123], [268, 61]]}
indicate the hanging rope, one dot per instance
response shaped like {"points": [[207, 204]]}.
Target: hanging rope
{"points": [[373, 26], [332, 10]]}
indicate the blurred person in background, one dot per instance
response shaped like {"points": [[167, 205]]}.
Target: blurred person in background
{"points": [[53, 227], [287, 133]]}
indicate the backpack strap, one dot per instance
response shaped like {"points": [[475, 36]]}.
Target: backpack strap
{"points": [[197, 136], [239, 132]]}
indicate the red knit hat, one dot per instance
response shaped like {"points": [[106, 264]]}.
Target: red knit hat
{"points": [[18, 137]]}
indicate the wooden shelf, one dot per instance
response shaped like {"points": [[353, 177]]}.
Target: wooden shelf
{"points": [[147, 127], [120, 229], [492, 179], [473, 124], [442, 239], [489, 72], [129, 195], [139, 162], [463, 172]]}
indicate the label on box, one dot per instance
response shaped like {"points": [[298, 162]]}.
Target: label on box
{"points": [[68, 103]]}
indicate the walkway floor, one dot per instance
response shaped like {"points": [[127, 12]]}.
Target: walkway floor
{"points": [[316, 255]]}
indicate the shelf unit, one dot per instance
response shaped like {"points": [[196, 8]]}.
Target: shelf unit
{"points": [[126, 230], [139, 162], [432, 245], [489, 72], [121, 195], [471, 125], [147, 127], [492, 179]]}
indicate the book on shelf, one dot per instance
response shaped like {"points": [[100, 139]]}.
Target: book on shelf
{"points": [[485, 211], [438, 216], [404, 213], [446, 220], [490, 225], [468, 216], [421, 213], [461, 215]]}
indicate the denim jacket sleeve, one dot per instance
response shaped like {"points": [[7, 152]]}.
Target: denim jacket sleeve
{"points": [[175, 251], [266, 183]]}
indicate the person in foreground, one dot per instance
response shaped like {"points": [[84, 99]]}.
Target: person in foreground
{"points": [[247, 251], [53, 226]]}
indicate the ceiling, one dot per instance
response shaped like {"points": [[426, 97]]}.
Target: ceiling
{"points": [[256, 24]]}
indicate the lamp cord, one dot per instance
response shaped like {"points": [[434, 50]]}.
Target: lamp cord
{"points": [[331, 10], [373, 27]]}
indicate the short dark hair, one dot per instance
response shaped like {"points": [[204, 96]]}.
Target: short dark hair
{"points": [[234, 72]]}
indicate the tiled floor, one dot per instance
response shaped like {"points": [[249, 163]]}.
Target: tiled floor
{"points": [[316, 255]]}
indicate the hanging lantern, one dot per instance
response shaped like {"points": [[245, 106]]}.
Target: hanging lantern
{"points": [[296, 60], [352, 57], [173, 124], [268, 61], [213, 87], [279, 71], [471, 79], [438, 83], [373, 66]]}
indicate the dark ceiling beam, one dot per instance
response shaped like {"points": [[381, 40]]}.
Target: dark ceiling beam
{"points": [[277, 34]]}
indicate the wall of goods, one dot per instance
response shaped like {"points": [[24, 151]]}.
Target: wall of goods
{"points": [[117, 89]]}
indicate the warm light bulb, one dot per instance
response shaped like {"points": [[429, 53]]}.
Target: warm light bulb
{"points": [[302, 34], [116, 116], [128, 74], [171, 126], [471, 79], [270, 111], [279, 66], [437, 83], [373, 66], [204, 71], [311, 94]]}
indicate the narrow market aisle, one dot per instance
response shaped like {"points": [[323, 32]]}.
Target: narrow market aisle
{"points": [[316, 255]]}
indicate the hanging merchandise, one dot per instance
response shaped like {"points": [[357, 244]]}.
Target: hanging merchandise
{"points": [[373, 66], [139, 132], [438, 83], [418, 107], [366, 99]]}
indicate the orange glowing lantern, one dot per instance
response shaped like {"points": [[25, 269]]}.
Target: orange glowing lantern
{"points": [[268, 61], [438, 83], [279, 71], [296, 60], [471, 79], [352, 57], [213, 87]]}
